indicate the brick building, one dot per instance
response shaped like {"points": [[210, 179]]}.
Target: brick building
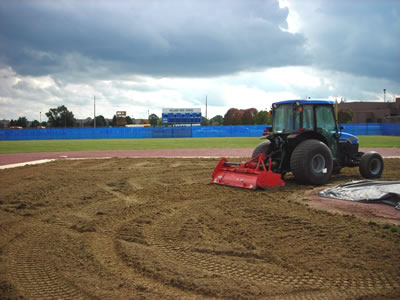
{"points": [[4, 124], [374, 112]]}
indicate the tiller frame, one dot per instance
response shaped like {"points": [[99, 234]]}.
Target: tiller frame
{"points": [[248, 175]]}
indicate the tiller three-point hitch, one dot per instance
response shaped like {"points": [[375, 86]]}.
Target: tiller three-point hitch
{"points": [[249, 175]]}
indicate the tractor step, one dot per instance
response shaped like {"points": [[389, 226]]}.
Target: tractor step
{"points": [[249, 175]]}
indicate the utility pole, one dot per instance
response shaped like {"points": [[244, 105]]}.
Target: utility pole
{"points": [[94, 119], [206, 107]]}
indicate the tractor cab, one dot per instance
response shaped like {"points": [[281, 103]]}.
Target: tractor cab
{"points": [[297, 120]]}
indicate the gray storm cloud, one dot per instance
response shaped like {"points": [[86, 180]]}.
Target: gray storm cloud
{"points": [[357, 37], [157, 38], [160, 53]]}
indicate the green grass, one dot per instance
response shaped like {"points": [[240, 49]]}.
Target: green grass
{"points": [[379, 141], [124, 144], [177, 143]]}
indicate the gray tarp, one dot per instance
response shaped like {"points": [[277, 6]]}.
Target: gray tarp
{"points": [[366, 191]]}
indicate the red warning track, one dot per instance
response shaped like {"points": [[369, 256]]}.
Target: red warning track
{"points": [[203, 152], [6, 159]]}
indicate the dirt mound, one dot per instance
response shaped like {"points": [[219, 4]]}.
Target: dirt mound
{"points": [[156, 228]]}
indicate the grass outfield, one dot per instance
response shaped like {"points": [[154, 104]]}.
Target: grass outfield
{"points": [[379, 141], [176, 143], [124, 144]]}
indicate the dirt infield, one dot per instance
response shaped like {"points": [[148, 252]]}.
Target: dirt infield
{"points": [[155, 228]]}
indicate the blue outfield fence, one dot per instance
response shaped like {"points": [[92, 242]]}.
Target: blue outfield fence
{"points": [[372, 128], [75, 133], [174, 132], [228, 131]]}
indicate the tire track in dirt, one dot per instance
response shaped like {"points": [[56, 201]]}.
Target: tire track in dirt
{"points": [[27, 265], [370, 281], [131, 278], [131, 198], [107, 240], [157, 229], [210, 262], [6, 234], [282, 280], [102, 244]]}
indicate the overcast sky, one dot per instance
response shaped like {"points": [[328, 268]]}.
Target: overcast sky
{"points": [[142, 56]]}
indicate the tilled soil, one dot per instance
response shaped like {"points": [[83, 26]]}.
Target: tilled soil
{"points": [[156, 228]]}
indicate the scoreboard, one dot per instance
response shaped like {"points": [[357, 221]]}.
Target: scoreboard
{"points": [[181, 115]]}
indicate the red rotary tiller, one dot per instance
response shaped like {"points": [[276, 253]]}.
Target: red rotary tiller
{"points": [[249, 175]]}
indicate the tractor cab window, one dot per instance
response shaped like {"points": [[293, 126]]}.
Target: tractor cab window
{"points": [[308, 117], [325, 118], [286, 118]]}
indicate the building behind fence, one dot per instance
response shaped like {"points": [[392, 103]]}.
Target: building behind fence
{"points": [[174, 132], [370, 112]]}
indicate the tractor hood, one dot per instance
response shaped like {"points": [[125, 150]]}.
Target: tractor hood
{"points": [[347, 137]]}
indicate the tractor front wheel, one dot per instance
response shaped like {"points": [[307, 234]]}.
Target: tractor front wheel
{"points": [[371, 165], [312, 163]]}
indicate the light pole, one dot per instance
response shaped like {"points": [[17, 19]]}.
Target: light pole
{"points": [[206, 106], [94, 112], [40, 118], [384, 95]]}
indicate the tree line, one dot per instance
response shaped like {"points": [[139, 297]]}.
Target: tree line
{"points": [[61, 117], [250, 116], [23, 122]]}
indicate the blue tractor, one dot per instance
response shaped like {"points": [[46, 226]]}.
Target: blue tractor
{"points": [[305, 139]]}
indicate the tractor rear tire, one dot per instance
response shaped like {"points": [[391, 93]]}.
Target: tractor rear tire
{"points": [[311, 163], [371, 165], [264, 147]]}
